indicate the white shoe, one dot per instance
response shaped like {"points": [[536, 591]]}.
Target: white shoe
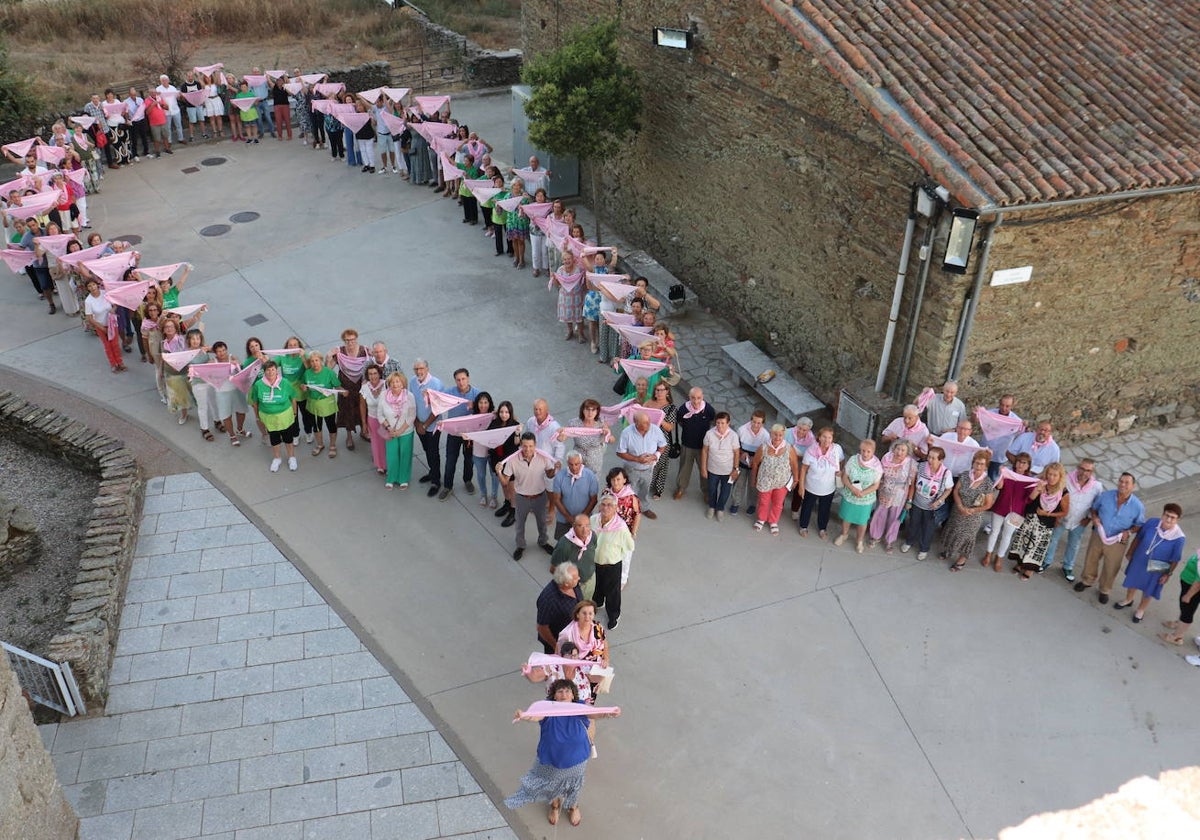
{"points": [[1192, 660], [483, 501], [395, 170], [292, 465], [904, 549], [921, 555], [275, 464], [162, 399], [841, 538], [308, 438]]}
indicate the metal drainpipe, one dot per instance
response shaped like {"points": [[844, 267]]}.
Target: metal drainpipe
{"points": [[915, 311], [964, 332], [902, 272]]}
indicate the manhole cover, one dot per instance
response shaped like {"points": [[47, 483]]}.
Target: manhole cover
{"points": [[131, 238], [247, 216], [190, 170], [213, 161], [215, 230], [255, 320]]}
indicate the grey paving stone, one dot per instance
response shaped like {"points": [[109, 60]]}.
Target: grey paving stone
{"points": [[194, 688], [88, 798], [139, 640], [439, 750], [249, 626], [382, 691], [130, 614], [153, 666], [154, 486], [66, 766], [375, 790], [247, 577], [243, 742], [205, 781], [467, 813], [285, 572], [366, 725], [79, 734], [331, 642], [117, 826], [356, 666], [432, 781], [502, 833], [167, 612], [200, 583], [217, 657], [222, 603], [227, 557], [409, 719], [146, 589], [335, 762], [180, 520], [275, 649], [243, 534], [277, 597], [271, 771], [150, 724], [154, 544], [130, 697], [225, 514], [128, 793], [182, 482], [203, 499], [47, 731], [304, 802], [110, 762], [398, 752], [311, 596], [466, 782], [240, 682], [300, 619], [119, 672], [168, 822], [329, 699], [181, 751], [283, 831], [339, 827], [302, 673], [273, 707], [241, 810], [406, 822], [164, 565], [186, 634], [211, 716], [304, 733], [169, 503]]}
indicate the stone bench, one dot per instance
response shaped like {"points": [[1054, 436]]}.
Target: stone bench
{"points": [[789, 397]]}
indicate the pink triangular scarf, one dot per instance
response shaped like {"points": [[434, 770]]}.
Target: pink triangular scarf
{"points": [[111, 268], [1075, 486], [19, 148], [56, 245], [551, 708], [195, 98], [83, 122], [446, 145], [483, 193], [537, 176], [128, 295], [511, 204], [34, 205], [20, 184], [76, 175], [397, 401], [178, 361], [243, 103], [582, 431], [580, 544], [450, 172], [830, 455], [243, 379], [159, 272], [440, 402], [255, 80], [636, 336], [396, 94], [276, 74], [1034, 446], [83, 255], [394, 124], [185, 311], [289, 351], [313, 78], [352, 366], [618, 290], [924, 397], [113, 109], [537, 210], [323, 106], [431, 104], [995, 425], [612, 413], [491, 438], [329, 88], [690, 410], [17, 259], [1009, 475], [635, 368], [549, 660], [538, 428], [51, 154], [215, 374], [293, 88], [208, 69], [322, 390], [555, 230], [469, 423], [654, 415], [596, 249], [353, 121], [569, 282], [618, 319]]}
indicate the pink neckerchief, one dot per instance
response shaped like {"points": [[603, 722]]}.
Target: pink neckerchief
{"points": [[273, 385], [397, 401], [775, 452], [540, 427], [623, 492], [975, 479], [616, 524], [574, 477], [1035, 446], [873, 464], [829, 455], [890, 464], [573, 537], [376, 390], [692, 412], [1049, 501], [1074, 484], [174, 345], [1175, 533], [804, 443], [352, 366], [721, 437]]}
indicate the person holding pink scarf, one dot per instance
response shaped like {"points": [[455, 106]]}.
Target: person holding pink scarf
{"points": [[974, 493], [1048, 502], [397, 412], [350, 360], [894, 495], [571, 288], [102, 318], [908, 426], [1010, 499]]}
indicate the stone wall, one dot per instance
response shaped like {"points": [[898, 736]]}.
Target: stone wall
{"points": [[94, 608], [32, 804]]}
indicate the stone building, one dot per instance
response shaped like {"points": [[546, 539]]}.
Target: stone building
{"points": [[781, 153]]}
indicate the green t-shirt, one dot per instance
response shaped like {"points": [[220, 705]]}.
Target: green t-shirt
{"points": [[292, 367], [318, 404], [1190, 572], [170, 298], [274, 405]]}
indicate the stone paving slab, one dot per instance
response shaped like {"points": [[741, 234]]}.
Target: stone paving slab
{"points": [[284, 727]]}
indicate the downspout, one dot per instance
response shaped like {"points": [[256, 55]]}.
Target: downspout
{"points": [[910, 228], [964, 329], [915, 310]]}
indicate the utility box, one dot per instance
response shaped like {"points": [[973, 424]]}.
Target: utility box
{"points": [[564, 178]]}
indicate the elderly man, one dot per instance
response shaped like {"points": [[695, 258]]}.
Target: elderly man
{"points": [[545, 430], [751, 436], [1001, 445], [555, 603], [1084, 488], [422, 381], [961, 449], [454, 443], [694, 418], [527, 471], [170, 98], [1118, 515], [379, 355], [640, 446], [573, 492], [578, 545], [909, 427], [1039, 445], [535, 176], [942, 414], [614, 552]]}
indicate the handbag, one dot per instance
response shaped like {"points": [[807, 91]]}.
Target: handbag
{"points": [[622, 384], [675, 449]]}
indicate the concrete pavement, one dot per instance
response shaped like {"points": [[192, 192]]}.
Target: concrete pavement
{"points": [[779, 687]]}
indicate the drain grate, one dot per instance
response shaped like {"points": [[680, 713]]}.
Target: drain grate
{"points": [[255, 320], [215, 230], [212, 161], [131, 238], [246, 216]]}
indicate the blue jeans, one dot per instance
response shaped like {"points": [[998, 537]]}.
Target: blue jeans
{"points": [[1074, 538], [718, 491], [454, 446], [483, 469], [920, 528]]}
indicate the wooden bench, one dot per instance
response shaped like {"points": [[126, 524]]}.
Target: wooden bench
{"points": [[789, 397]]}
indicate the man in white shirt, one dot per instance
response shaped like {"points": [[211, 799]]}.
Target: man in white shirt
{"points": [[751, 436], [943, 413], [958, 457], [1084, 487], [170, 97], [1000, 445]]}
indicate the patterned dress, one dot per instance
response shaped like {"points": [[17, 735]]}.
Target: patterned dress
{"points": [[591, 448], [958, 540], [348, 406], [658, 481]]}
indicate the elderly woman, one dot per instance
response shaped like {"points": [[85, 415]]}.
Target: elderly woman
{"points": [[660, 398], [860, 480], [274, 400], [974, 493], [800, 437], [586, 632], [575, 674], [516, 223], [230, 401], [175, 383], [571, 289], [590, 447], [103, 321], [369, 396], [1011, 498], [562, 754], [820, 471], [203, 394], [719, 457], [350, 360], [1153, 554], [932, 488], [774, 468], [909, 427], [322, 407], [894, 495], [397, 411], [1047, 503]]}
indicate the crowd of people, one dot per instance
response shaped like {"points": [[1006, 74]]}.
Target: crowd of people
{"points": [[934, 473]]}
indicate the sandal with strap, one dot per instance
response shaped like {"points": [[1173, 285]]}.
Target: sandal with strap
{"points": [[775, 530], [1171, 640], [958, 567], [234, 442], [758, 526], [575, 815], [317, 450], [552, 817], [332, 451], [206, 434]]}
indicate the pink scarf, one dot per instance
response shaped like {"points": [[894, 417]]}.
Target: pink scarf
{"points": [[1174, 533], [573, 537], [692, 412], [352, 366], [830, 455], [273, 385], [1049, 501], [1074, 484], [975, 479], [623, 492], [1035, 446], [397, 401], [541, 427], [616, 524], [808, 440], [376, 390]]}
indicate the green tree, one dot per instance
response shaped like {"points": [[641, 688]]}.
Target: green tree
{"points": [[20, 107], [585, 102]]}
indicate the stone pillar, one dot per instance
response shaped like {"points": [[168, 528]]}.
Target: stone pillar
{"points": [[32, 803]]}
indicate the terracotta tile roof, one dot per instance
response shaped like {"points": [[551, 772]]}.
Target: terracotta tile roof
{"points": [[1010, 102]]}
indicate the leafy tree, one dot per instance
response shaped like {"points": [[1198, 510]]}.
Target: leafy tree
{"points": [[20, 107], [168, 34], [585, 102]]}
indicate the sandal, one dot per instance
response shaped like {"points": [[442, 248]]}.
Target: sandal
{"points": [[332, 451], [349, 445], [234, 441], [1171, 640], [758, 526], [206, 434], [553, 815], [998, 566], [317, 450], [575, 815], [775, 530], [957, 567]]}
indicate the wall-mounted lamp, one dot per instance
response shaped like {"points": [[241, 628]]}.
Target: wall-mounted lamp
{"points": [[961, 241], [675, 39]]}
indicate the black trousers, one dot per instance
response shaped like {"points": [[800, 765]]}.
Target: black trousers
{"points": [[431, 443], [608, 590], [470, 205], [454, 447], [337, 144]]}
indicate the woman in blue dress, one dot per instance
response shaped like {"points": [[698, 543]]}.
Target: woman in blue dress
{"points": [[1153, 555]]}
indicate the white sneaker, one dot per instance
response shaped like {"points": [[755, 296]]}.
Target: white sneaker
{"points": [[292, 465], [1192, 660], [395, 170], [904, 549], [275, 462], [921, 555], [308, 438]]}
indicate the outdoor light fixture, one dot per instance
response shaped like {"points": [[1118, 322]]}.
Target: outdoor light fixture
{"points": [[675, 39], [962, 238]]}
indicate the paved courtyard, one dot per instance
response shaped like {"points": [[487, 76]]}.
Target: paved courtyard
{"points": [[775, 687]]}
